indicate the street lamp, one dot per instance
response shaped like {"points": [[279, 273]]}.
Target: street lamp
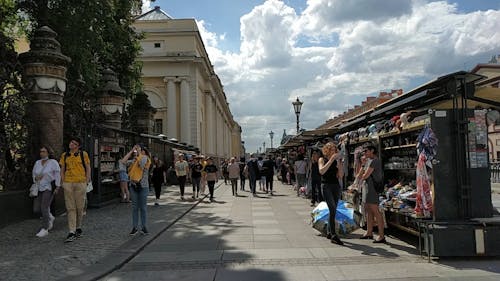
{"points": [[297, 105], [271, 134], [264, 147]]}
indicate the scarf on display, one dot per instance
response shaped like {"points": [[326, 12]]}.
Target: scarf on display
{"points": [[427, 143], [424, 196]]}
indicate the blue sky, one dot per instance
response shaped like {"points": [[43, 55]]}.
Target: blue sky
{"points": [[332, 53]]}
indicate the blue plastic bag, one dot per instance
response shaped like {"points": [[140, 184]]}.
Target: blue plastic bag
{"points": [[346, 219]]}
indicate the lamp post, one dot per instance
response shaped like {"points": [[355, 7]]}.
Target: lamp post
{"points": [[297, 105], [264, 147], [271, 135]]}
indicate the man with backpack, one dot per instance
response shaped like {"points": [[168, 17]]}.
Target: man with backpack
{"points": [[75, 175]]}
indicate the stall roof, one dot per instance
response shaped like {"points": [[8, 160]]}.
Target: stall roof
{"points": [[428, 90]]}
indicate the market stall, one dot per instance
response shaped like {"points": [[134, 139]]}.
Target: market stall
{"points": [[433, 145]]}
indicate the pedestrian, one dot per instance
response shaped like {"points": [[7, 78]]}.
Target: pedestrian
{"points": [[211, 176], [330, 169], [225, 171], [196, 168], [123, 178], [45, 171], [243, 173], [203, 174], [159, 176], [262, 177], [316, 194], [253, 174], [268, 171], [300, 172], [181, 171], [75, 175], [139, 186], [284, 171], [373, 172], [234, 173]]}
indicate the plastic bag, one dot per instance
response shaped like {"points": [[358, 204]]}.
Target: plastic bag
{"points": [[346, 219]]}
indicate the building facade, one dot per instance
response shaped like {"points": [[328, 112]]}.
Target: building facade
{"points": [[182, 85]]}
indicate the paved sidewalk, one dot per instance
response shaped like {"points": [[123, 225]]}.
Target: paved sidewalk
{"points": [[104, 245], [270, 238]]}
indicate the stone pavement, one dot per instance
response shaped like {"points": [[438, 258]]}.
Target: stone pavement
{"points": [[105, 242], [270, 238]]}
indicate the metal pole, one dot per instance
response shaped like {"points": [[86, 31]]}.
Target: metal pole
{"points": [[297, 124]]}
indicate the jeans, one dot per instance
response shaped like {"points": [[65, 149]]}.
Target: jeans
{"points": [[253, 183], [331, 192], [139, 204], [42, 205], [234, 185], [242, 183], [211, 186], [196, 184]]}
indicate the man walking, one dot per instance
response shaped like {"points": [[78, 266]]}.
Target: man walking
{"points": [[253, 174], [75, 175]]}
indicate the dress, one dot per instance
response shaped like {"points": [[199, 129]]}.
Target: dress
{"points": [[369, 195]]}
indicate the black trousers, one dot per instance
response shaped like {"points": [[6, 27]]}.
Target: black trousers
{"points": [[269, 183], [331, 192], [157, 186], [211, 186], [182, 183], [316, 194]]}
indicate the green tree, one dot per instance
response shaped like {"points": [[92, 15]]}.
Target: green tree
{"points": [[12, 101], [95, 35]]}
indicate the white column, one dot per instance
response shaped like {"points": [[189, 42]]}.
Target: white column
{"points": [[208, 122], [185, 113], [171, 110]]}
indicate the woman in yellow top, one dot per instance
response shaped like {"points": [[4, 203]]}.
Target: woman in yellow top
{"points": [[181, 171]]}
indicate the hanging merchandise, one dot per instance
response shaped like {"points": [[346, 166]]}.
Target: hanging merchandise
{"points": [[424, 197], [427, 143]]}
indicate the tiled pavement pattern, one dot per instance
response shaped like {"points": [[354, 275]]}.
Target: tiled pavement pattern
{"points": [[26, 257], [270, 238], [241, 238]]}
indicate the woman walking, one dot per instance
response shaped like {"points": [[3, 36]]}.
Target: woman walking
{"points": [[234, 173], [45, 171], [211, 176], [373, 172], [158, 177], [181, 171], [139, 186], [331, 172], [316, 194]]}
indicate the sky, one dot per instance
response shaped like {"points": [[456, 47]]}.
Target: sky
{"points": [[331, 54]]}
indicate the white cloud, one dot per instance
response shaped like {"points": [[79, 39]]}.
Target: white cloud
{"points": [[379, 47], [146, 5]]}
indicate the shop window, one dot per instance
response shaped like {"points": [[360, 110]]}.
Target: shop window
{"points": [[157, 45], [158, 126]]}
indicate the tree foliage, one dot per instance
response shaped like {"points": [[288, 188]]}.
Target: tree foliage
{"points": [[12, 101], [96, 35]]}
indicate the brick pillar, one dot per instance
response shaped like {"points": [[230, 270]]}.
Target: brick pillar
{"points": [[44, 77]]}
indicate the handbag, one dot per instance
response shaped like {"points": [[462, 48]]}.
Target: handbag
{"points": [[90, 187], [34, 190]]}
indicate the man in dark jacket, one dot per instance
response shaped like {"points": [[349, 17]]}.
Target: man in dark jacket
{"points": [[253, 173], [268, 172]]}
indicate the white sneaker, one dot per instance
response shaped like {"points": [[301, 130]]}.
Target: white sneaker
{"points": [[51, 222], [42, 233]]}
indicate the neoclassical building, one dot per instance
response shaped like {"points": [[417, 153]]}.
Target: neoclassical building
{"points": [[182, 85]]}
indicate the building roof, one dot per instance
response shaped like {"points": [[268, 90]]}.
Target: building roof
{"points": [[155, 14]]}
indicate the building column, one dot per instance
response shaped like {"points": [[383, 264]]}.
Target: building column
{"points": [[171, 109], [185, 113]]}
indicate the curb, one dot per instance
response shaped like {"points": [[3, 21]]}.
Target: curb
{"points": [[118, 258]]}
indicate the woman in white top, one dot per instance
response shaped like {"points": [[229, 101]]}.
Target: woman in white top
{"points": [[181, 171], [45, 172]]}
